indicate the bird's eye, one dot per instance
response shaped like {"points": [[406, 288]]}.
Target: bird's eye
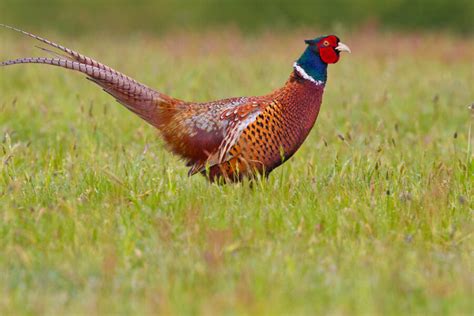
{"points": [[326, 43]]}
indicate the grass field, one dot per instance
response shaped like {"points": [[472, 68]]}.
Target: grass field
{"points": [[372, 216]]}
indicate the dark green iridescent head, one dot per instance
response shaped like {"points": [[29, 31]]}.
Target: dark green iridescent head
{"points": [[320, 52]]}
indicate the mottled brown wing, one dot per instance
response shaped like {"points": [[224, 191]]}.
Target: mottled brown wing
{"points": [[238, 118], [261, 146]]}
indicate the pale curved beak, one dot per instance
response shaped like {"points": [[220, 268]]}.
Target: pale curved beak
{"points": [[343, 48]]}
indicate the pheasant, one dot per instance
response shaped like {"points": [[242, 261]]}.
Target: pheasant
{"points": [[228, 139]]}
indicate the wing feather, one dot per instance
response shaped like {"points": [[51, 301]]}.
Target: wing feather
{"points": [[239, 118]]}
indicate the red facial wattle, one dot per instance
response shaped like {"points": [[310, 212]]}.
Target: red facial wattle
{"points": [[327, 49], [329, 55]]}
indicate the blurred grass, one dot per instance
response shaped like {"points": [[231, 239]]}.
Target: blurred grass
{"points": [[372, 216], [79, 17]]}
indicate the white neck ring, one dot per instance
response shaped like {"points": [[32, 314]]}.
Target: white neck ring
{"points": [[305, 75]]}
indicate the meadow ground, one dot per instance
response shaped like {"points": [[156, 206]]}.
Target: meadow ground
{"points": [[372, 216]]}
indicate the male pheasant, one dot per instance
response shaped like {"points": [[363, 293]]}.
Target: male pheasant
{"points": [[227, 139]]}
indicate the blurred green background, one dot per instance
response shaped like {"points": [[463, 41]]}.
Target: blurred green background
{"points": [[76, 17]]}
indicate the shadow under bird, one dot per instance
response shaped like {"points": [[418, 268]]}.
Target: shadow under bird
{"points": [[227, 139]]}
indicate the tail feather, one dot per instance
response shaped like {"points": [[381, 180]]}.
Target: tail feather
{"points": [[160, 110], [55, 54], [71, 53], [152, 106], [137, 98]]}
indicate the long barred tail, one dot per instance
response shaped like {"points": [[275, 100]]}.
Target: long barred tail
{"points": [[153, 106]]}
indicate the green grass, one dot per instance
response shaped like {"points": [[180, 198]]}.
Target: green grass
{"points": [[372, 216]]}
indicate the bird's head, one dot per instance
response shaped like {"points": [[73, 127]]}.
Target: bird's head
{"points": [[328, 48], [320, 52]]}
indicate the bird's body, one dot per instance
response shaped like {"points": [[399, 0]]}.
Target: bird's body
{"points": [[226, 139]]}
